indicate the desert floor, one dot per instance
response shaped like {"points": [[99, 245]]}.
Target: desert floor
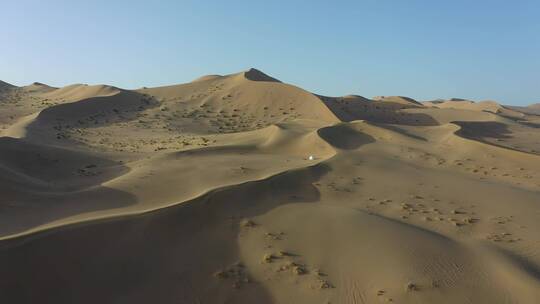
{"points": [[244, 189]]}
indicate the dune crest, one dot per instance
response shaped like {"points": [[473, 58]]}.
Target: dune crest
{"points": [[256, 75], [398, 99], [81, 91], [207, 78], [38, 87]]}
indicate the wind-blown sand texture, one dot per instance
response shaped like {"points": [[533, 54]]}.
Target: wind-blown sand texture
{"points": [[204, 193]]}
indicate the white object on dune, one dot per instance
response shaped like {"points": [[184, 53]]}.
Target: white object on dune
{"points": [[311, 157]]}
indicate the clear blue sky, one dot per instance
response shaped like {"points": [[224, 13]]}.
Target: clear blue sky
{"points": [[422, 49]]}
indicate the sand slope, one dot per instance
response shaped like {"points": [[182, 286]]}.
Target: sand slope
{"points": [[533, 109], [244, 189], [4, 86]]}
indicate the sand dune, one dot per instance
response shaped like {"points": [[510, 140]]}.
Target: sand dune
{"points": [[463, 104], [533, 109], [38, 87], [81, 91], [398, 99], [207, 77], [384, 110], [5, 86], [244, 189], [484, 106]]}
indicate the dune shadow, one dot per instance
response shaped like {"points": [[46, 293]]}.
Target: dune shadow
{"points": [[523, 264], [165, 256], [483, 129], [20, 210], [377, 112], [343, 136], [49, 169], [529, 124], [40, 184], [401, 131], [256, 75]]}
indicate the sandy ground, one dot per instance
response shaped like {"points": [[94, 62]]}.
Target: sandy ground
{"points": [[244, 189]]}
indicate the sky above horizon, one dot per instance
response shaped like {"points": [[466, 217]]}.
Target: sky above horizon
{"points": [[422, 49]]}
